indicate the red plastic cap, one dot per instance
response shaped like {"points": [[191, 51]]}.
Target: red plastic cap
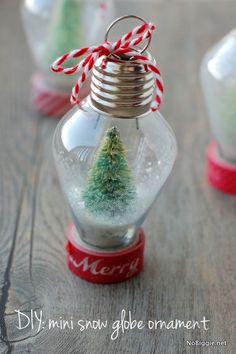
{"points": [[104, 267], [221, 173], [49, 101]]}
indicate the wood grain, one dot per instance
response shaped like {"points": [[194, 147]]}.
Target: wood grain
{"points": [[191, 239]]}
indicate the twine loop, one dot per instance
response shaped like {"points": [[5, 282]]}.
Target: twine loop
{"points": [[123, 46]]}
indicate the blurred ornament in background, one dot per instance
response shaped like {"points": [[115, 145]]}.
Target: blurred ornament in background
{"points": [[53, 27], [218, 75], [113, 152]]}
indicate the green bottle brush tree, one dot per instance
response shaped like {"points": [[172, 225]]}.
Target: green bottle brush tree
{"points": [[110, 188], [64, 32]]}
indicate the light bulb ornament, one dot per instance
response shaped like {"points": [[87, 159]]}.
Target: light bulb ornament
{"points": [[218, 76], [123, 46], [110, 168], [53, 27]]}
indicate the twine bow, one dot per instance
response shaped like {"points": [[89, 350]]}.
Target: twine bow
{"points": [[124, 45]]}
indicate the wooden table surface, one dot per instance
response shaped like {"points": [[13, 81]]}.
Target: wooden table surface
{"points": [[190, 258]]}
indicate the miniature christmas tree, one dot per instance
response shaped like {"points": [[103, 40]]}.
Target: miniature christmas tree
{"points": [[110, 189], [64, 31]]}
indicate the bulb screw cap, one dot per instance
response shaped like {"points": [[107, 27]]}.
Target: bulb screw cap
{"points": [[221, 173], [104, 266]]}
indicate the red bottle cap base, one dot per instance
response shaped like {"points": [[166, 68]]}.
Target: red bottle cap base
{"points": [[221, 173], [104, 266], [49, 101]]}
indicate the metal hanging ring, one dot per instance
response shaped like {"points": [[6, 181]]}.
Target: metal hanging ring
{"points": [[124, 18]]}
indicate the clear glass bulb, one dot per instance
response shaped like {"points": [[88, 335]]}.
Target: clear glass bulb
{"points": [[54, 27], [218, 74], [150, 149]]}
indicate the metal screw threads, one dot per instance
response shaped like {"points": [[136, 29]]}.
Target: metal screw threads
{"points": [[121, 88]]}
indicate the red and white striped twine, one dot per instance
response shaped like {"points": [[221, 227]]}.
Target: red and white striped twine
{"points": [[124, 45]]}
